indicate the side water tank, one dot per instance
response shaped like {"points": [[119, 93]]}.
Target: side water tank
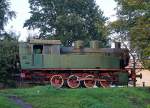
{"points": [[94, 44], [78, 44]]}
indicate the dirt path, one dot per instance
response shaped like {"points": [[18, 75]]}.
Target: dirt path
{"points": [[20, 102]]}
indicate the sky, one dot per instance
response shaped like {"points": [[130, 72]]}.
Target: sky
{"points": [[21, 7]]}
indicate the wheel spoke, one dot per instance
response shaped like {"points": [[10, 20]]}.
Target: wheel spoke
{"points": [[90, 82], [105, 83], [57, 81], [73, 82]]}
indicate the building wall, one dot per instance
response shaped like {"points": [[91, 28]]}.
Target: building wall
{"points": [[145, 78]]}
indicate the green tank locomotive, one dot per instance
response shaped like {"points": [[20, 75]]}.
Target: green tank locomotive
{"points": [[47, 61]]}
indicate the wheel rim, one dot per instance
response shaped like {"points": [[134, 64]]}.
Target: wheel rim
{"points": [[90, 83], [73, 81], [57, 81], [105, 83]]}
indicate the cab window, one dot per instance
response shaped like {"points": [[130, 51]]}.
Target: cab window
{"points": [[38, 49]]}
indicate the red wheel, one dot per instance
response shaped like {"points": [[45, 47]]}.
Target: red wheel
{"points": [[73, 81], [90, 82], [57, 81], [106, 80], [104, 83]]}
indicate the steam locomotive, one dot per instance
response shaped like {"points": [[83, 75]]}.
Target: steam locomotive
{"points": [[49, 62]]}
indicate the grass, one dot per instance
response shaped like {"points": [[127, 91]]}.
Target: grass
{"points": [[47, 97]]}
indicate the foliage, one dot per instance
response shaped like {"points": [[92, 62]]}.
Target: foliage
{"points": [[48, 97], [67, 20], [8, 58], [8, 44], [5, 14], [133, 24]]}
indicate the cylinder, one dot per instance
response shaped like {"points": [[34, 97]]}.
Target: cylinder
{"points": [[94, 44], [79, 44]]}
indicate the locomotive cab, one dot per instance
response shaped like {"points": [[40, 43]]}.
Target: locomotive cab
{"points": [[45, 46]]}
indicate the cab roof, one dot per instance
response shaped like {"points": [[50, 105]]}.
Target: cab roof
{"points": [[40, 41]]}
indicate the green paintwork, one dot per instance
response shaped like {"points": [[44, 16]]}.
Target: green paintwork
{"points": [[123, 78], [68, 61], [77, 61], [37, 60]]}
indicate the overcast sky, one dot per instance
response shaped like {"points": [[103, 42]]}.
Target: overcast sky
{"points": [[21, 7]]}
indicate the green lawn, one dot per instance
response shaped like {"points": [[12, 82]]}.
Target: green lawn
{"points": [[47, 97]]}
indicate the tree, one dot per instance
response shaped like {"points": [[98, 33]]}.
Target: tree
{"points": [[5, 14], [133, 25], [67, 20], [8, 58]]}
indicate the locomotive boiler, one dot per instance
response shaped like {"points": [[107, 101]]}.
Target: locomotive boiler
{"points": [[48, 61]]}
